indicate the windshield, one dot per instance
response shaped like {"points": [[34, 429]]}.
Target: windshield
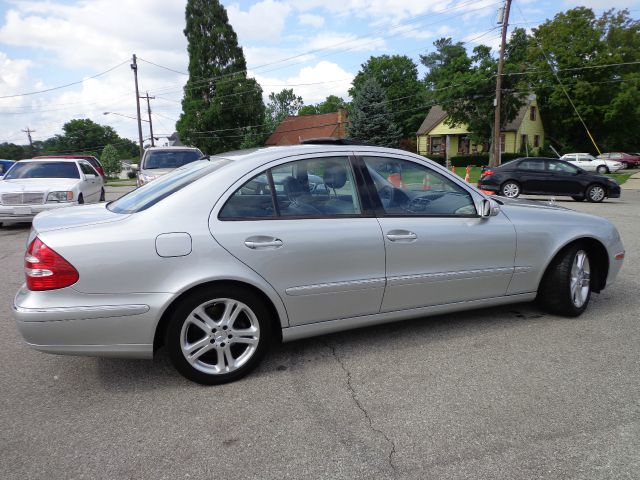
{"points": [[152, 192], [170, 159], [42, 170]]}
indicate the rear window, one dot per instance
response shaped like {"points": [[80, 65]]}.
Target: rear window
{"points": [[152, 192], [24, 169], [170, 159]]}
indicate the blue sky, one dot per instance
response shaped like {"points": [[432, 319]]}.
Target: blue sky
{"points": [[45, 44]]}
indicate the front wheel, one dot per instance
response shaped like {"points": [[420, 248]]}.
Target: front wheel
{"points": [[578, 198], [566, 286], [80, 200], [102, 195], [596, 193], [602, 169], [625, 165], [218, 335], [510, 189]]}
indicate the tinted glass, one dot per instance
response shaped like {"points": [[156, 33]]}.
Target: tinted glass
{"points": [[170, 159], [87, 169], [562, 167], [43, 170], [316, 187], [408, 188], [252, 200], [152, 192], [535, 165]]}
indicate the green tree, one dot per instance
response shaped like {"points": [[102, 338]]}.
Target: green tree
{"points": [[330, 104], [397, 75], [281, 105], [11, 151], [371, 119], [465, 85], [110, 161], [219, 100], [579, 48], [81, 135]]}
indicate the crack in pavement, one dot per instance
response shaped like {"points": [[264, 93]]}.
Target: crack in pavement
{"points": [[354, 396]]}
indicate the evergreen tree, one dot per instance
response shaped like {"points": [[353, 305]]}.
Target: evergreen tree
{"points": [[371, 120], [281, 105], [219, 100], [110, 162]]}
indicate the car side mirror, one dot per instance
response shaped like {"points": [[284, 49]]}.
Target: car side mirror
{"points": [[488, 208], [89, 176], [135, 167]]}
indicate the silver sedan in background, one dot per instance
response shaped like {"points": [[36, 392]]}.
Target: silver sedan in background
{"points": [[222, 257]]}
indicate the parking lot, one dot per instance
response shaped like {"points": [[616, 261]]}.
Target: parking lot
{"points": [[500, 393]]}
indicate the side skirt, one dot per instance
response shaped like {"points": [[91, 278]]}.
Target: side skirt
{"points": [[323, 328]]}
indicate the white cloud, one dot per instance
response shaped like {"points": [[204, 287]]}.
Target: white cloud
{"points": [[313, 20], [603, 4], [344, 41], [313, 83], [264, 21]]}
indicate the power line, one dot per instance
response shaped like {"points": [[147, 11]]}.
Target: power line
{"points": [[63, 86]]}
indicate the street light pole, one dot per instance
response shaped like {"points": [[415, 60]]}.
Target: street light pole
{"points": [[134, 67]]}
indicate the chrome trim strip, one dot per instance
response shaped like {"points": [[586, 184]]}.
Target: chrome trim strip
{"points": [[445, 276], [322, 328], [129, 350], [77, 313], [336, 287], [522, 269]]}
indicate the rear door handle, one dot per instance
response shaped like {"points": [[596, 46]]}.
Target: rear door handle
{"points": [[401, 236], [261, 242]]}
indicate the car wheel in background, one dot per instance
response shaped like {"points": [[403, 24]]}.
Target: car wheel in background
{"points": [[218, 334], [625, 165], [578, 198], [102, 195], [596, 193], [510, 189], [602, 169], [80, 200], [566, 286]]}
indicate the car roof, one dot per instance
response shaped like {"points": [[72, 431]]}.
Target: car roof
{"points": [[51, 159], [174, 147]]}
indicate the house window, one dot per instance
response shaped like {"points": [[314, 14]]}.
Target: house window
{"points": [[436, 145], [464, 145], [502, 142], [524, 140], [532, 114], [536, 141]]}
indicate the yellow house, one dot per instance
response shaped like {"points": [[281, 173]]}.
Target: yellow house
{"points": [[437, 139]]}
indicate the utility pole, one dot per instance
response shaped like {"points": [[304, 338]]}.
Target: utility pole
{"points": [[134, 67], [28, 131], [149, 111], [496, 160]]}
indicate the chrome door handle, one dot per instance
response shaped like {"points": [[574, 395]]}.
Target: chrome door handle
{"points": [[259, 243], [400, 235]]}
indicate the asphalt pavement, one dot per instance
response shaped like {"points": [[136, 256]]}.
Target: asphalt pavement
{"points": [[501, 393]]}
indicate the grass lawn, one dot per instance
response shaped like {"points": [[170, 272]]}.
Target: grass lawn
{"points": [[620, 177], [121, 182]]}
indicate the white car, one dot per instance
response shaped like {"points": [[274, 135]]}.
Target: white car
{"points": [[33, 186], [590, 163], [158, 161]]}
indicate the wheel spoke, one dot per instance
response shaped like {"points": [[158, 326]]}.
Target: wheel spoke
{"points": [[221, 366], [194, 358], [246, 340], [231, 311], [201, 314], [191, 347], [229, 358]]}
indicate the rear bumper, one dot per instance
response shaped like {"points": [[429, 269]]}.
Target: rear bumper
{"points": [[68, 322], [25, 213]]}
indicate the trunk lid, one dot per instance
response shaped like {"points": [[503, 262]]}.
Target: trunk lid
{"points": [[75, 216]]}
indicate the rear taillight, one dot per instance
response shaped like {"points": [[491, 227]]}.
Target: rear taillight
{"points": [[45, 269], [488, 172]]}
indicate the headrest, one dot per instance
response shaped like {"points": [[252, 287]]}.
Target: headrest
{"points": [[293, 187], [335, 176]]}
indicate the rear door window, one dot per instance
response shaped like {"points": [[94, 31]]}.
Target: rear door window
{"points": [[532, 165]]}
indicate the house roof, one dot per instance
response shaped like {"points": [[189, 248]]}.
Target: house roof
{"points": [[437, 115], [293, 129], [433, 118]]}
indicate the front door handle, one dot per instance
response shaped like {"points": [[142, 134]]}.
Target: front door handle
{"points": [[401, 236], [261, 242]]}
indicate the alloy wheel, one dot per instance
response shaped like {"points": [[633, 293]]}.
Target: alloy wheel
{"points": [[596, 193], [580, 279], [511, 190], [220, 336]]}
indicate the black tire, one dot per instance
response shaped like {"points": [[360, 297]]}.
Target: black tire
{"points": [[596, 193], [510, 189], [578, 198], [80, 200], [625, 165], [555, 294], [602, 169], [102, 196], [175, 335]]}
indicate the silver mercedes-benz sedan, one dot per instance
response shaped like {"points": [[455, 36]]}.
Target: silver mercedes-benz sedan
{"points": [[222, 257]]}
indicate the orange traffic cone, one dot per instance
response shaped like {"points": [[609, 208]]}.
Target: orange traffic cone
{"points": [[395, 179], [467, 178], [468, 169], [453, 169], [426, 183]]}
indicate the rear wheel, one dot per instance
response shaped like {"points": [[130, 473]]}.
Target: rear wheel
{"points": [[625, 165], [602, 169], [566, 286], [80, 200], [510, 189], [102, 196], [218, 335], [596, 193]]}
